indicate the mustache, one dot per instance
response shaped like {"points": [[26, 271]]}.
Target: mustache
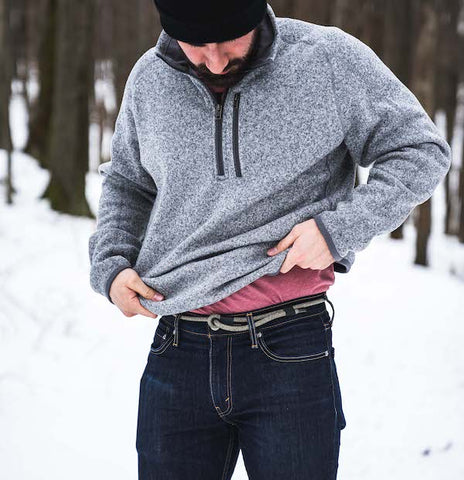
{"points": [[230, 68], [236, 66]]}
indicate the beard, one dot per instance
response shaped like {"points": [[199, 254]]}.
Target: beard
{"points": [[235, 69]]}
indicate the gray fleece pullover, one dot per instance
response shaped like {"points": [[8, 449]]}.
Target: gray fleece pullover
{"points": [[196, 191]]}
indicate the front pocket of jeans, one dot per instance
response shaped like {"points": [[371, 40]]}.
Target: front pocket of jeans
{"points": [[298, 341], [162, 340]]}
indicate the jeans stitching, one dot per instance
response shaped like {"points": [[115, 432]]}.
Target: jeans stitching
{"points": [[229, 453], [162, 347], [211, 372], [333, 399], [229, 383], [227, 420], [285, 322], [301, 358], [211, 381], [229, 375]]}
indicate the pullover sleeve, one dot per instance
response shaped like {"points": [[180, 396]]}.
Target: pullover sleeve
{"points": [[385, 128], [126, 201]]}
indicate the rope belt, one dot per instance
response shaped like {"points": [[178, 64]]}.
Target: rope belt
{"points": [[250, 320]]}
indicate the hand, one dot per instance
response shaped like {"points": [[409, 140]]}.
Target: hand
{"points": [[309, 248], [123, 292]]}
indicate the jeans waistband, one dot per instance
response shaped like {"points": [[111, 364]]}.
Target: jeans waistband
{"points": [[249, 320], [287, 304]]}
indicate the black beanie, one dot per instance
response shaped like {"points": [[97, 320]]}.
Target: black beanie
{"points": [[208, 21]]}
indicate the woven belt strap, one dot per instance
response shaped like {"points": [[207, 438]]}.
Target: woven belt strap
{"points": [[260, 319]]}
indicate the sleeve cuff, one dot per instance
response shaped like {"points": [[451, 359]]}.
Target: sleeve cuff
{"points": [[328, 238], [102, 273], [112, 276]]}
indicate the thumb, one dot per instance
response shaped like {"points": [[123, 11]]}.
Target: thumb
{"points": [[286, 242], [144, 290]]}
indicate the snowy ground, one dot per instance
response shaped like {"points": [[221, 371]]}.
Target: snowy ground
{"points": [[70, 362]]}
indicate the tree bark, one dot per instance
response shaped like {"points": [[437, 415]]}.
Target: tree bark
{"points": [[69, 136], [6, 61], [423, 86]]}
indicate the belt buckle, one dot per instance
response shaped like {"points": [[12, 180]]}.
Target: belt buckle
{"points": [[210, 320]]}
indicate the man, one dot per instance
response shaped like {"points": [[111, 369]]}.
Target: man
{"points": [[241, 131]]}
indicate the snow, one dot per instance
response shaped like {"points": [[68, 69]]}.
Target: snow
{"points": [[70, 362]]}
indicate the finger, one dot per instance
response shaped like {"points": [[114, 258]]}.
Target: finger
{"points": [[286, 242], [141, 310], [144, 290], [134, 307], [289, 262]]}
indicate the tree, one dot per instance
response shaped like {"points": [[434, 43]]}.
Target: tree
{"points": [[5, 91], [423, 77], [69, 130]]}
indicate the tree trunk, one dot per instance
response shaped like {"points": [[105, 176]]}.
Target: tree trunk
{"points": [[397, 52], [69, 140], [423, 85], [446, 92], [5, 92], [41, 110]]}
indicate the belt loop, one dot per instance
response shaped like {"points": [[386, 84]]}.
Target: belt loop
{"points": [[252, 326], [333, 310], [175, 343]]}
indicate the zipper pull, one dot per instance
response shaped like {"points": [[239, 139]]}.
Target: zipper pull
{"points": [[218, 110], [236, 99]]}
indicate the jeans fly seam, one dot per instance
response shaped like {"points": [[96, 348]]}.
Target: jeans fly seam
{"points": [[229, 375], [211, 372], [218, 410]]}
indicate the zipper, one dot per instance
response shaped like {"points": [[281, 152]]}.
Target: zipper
{"points": [[218, 135], [218, 125], [238, 170]]}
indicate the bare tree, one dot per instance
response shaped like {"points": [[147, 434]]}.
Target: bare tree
{"points": [[69, 132], [423, 85], [6, 61], [40, 113], [398, 45], [446, 90]]}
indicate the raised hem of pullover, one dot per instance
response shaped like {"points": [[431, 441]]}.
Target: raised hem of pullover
{"points": [[173, 305]]}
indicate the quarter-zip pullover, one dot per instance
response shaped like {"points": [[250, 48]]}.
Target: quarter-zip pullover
{"points": [[194, 194]]}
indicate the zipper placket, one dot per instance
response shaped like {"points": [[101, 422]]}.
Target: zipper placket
{"points": [[218, 112], [218, 135], [238, 170]]}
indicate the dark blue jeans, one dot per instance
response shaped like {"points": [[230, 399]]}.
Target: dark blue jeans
{"points": [[213, 394]]}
